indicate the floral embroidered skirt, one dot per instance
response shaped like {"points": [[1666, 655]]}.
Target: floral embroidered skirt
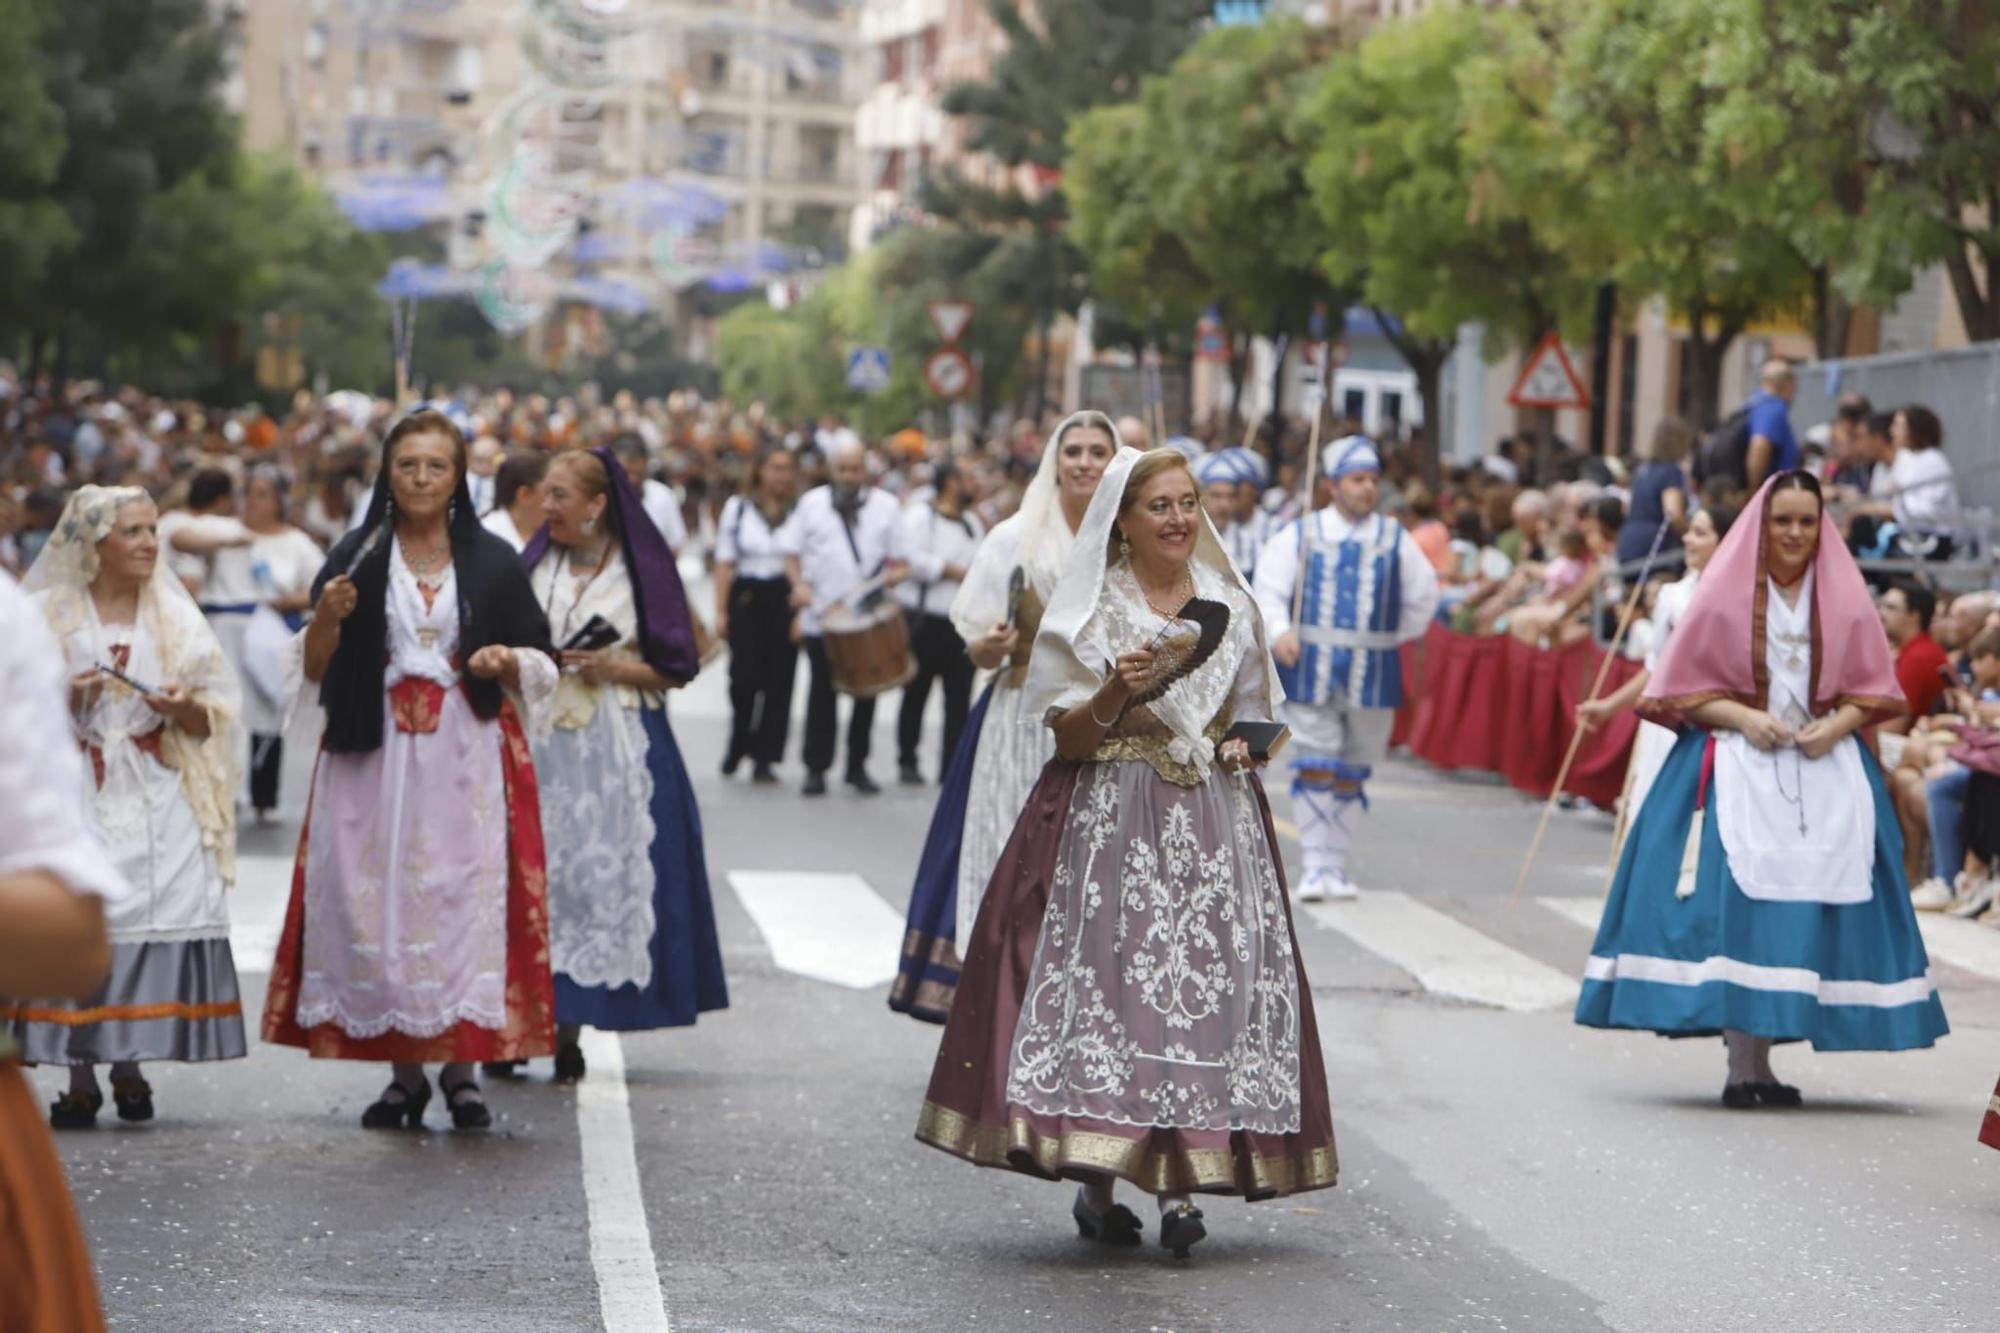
{"points": [[1133, 1002], [520, 1021], [45, 1279]]}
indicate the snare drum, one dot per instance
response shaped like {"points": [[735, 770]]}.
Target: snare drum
{"points": [[868, 651]]}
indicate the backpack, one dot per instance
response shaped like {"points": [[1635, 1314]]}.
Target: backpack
{"points": [[1725, 451]]}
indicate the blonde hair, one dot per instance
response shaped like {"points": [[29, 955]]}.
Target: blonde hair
{"points": [[1150, 465]]}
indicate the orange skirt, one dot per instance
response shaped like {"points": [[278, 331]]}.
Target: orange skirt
{"points": [[46, 1285]]}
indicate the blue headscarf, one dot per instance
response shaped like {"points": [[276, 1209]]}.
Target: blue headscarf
{"points": [[1232, 466], [1349, 456]]}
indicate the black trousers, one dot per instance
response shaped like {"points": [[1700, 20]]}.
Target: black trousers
{"points": [[267, 760], [940, 655], [763, 662], [822, 718]]}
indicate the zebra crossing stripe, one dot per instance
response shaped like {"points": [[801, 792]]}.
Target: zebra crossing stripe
{"points": [[830, 927], [1446, 956]]}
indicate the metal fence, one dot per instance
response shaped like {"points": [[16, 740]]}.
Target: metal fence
{"points": [[1961, 385]]}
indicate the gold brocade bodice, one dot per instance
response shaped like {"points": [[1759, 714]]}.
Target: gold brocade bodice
{"points": [[1140, 735], [1027, 623]]}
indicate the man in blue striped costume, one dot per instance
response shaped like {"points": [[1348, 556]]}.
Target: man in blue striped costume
{"points": [[1232, 482], [1341, 591]]}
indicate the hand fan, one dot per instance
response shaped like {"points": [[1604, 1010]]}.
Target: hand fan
{"points": [[1177, 654], [1017, 583]]}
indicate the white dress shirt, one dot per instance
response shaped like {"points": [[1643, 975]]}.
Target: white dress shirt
{"points": [[746, 541], [501, 524], [837, 558], [41, 769], [930, 543], [664, 508], [1278, 571]]}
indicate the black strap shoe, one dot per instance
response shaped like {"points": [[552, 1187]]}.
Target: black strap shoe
{"points": [[569, 1063], [1180, 1228], [1739, 1096], [1117, 1225], [134, 1099], [75, 1110], [398, 1108], [1775, 1093], [467, 1112]]}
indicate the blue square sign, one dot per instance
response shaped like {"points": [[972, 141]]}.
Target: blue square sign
{"points": [[868, 369]]}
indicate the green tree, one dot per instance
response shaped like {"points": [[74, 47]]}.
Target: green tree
{"points": [[1196, 196], [33, 225], [1416, 214], [1664, 192], [146, 155]]}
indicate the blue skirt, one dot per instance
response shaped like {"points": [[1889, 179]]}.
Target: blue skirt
{"points": [[928, 974], [1852, 977], [687, 959]]}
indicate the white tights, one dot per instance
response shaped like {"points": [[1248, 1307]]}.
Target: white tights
{"points": [[1749, 1057]]}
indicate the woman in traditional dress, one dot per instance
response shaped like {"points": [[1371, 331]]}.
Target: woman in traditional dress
{"points": [[1003, 749], [753, 612], [56, 883], [154, 703], [1704, 533], [256, 596], [1133, 1004], [418, 925], [1760, 893], [631, 928]]}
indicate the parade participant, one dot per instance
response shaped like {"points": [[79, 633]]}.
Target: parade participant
{"points": [[191, 535], [482, 469], [1760, 894], [662, 505], [253, 596], [1003, 749], [154, 703], [1192, 1064], [755, 537], [631, 928], [849, 537], [1232, 482], [517, 497], [1650, 747], [939, 539], [55, 885], [1367, 590], [417, 930]]}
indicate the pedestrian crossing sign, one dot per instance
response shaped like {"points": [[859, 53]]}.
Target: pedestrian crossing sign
{"points": [[868, 369], [1548, 379]]}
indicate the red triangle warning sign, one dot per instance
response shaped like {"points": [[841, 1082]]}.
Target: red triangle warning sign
{"points": [[1548, 379]]}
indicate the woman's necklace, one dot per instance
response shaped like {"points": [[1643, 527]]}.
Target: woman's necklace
{"points": [[1187, 586], [580, 581], [427, 563]]}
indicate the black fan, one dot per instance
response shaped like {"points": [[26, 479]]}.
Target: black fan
{"points": [[1174, 656]]}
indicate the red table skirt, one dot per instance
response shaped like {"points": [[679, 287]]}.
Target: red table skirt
{"points": [[1505, 707]]}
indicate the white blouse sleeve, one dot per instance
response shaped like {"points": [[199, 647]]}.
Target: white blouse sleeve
{"points": [[41, 770], [981, 602]]}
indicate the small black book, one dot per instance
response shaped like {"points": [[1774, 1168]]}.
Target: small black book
{"points": [[597, 632], [1265, 739]]}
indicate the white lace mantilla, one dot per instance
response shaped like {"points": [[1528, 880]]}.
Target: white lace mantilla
{"points": [[1165, 989]]}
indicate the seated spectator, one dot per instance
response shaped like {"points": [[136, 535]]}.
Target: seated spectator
{"points": [[1425, 528], [1906, 609], [1956, 882]]}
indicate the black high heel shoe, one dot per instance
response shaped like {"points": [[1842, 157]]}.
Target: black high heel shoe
{"points": [[134, 1099], [1180, 1228], [501, 1068], [569, 1063], [1775, 1093], [405, 1114], [1739, 1096], [75, 1110], [471, 1113], [1116, 1225]]}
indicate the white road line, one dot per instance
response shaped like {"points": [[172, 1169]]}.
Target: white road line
{"points": [[1586, 911], [1964, 944], [257, 909], [828, 927], [1447, 956], [621, 1244]]}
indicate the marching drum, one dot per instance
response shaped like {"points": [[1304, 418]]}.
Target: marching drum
{"points": [[868, 651]]}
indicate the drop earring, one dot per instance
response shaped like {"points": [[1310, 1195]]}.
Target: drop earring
{"points": [[590, 527], [1124, 547]]}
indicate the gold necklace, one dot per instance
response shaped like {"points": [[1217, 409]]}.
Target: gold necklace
{"points": [[1187, 582]]}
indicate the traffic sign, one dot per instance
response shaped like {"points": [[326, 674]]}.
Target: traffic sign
{"points": [[949, 318], [1549, 380], [949, 373], [868, 369]]}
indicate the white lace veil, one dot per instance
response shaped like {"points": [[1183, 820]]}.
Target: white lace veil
{"points": [[189, 652], [1041, 538], [1070, 660]]}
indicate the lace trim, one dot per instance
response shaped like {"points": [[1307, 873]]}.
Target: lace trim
{"points": [[316, 1015]]}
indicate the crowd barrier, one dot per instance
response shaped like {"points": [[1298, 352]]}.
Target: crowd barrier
{"points": [[1502, 706]]}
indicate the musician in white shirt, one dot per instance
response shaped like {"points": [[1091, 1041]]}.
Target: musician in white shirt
{"points": [[755, 537], [849, 541], [662, 505], [939, 538]]}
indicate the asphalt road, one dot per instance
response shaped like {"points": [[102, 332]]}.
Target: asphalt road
{"points": [[1501, 1167]]}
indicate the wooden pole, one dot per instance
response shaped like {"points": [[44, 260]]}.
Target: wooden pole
{"points": [[1576, 736], [1306, 516]]}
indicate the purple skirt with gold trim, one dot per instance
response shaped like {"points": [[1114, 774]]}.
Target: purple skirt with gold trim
{"points": [[968, 1114]]}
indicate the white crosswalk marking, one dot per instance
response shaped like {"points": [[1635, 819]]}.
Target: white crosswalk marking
{"points": [[1586, 911], [828, 927], [1447, 956], [1964, 944]]}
